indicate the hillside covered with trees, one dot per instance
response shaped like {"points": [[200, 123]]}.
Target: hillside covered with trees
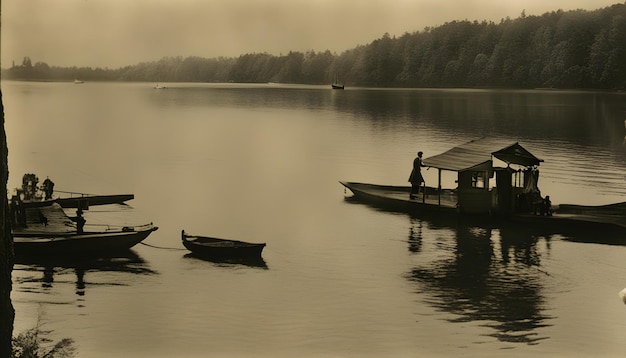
{"points": [[559, 49]]}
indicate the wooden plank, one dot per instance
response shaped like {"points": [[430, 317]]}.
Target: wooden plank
{"points": [[47, 219]]}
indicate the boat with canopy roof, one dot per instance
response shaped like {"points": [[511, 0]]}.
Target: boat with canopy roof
{"points": [[494, 179]]}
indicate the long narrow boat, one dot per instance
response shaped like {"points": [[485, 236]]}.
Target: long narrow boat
{"points": [[564, 218], [30, 194], [93, 200], [489, 190], [220, 248], [49, 230], [72, 243], [397, 198], [76, 200]]}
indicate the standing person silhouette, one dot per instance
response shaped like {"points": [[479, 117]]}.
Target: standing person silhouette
{"points": [[48, 188], [416, 179], [80, 220]]}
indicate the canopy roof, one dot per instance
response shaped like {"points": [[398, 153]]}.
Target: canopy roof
{"points": [[477, 155]]}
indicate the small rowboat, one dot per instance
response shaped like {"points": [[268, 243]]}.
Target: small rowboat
{"points": [[211, 247]]}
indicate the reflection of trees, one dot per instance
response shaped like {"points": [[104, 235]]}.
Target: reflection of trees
{"points": [[539, 115], [124, 262], [477, 285]]}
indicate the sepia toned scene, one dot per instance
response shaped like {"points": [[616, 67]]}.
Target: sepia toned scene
{"points": [[399, 178]]}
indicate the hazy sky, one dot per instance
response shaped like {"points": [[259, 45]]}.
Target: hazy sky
{"points": [[115, 33]]}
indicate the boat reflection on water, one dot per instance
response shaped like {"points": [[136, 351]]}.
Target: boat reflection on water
{"points": [[253, 262], [126, 261], [477, 269], [487, 275], [491, 274]]}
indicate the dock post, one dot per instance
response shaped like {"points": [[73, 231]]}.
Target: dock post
{"points": [[439, 187]]}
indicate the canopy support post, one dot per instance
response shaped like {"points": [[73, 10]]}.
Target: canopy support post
{"points": [[439, 186]]}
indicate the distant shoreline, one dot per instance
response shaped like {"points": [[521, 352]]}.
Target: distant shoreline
{"points": [[274, 84], [581, 50]]}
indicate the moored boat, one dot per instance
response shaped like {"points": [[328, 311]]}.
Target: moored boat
{"points": [[75, 200], [47, 230], [337, 84], [73, 243], [212, 247], [86, 200], [30, 194], [563, 218], [490, 190], [483, 187], [397, 198]]}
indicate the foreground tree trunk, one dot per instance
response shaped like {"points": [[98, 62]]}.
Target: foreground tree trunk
{"points": [[7, 313]]}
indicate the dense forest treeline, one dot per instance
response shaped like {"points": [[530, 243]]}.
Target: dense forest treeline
{"points": [[559, 49]]}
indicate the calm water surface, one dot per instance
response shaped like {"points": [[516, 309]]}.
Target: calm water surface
{"points": [[262, 163]]}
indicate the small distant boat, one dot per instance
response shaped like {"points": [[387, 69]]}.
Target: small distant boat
{"points": [[158, 86], [337, 85], [78, 82], [220, 248]]}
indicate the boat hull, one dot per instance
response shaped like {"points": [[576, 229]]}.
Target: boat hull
{"points": [[83, 201], [77, 244], [397, 198], [215, 248], [94, 200], [566, 218]]}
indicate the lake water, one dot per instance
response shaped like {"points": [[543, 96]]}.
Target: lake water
{"points": [[261, 163]]}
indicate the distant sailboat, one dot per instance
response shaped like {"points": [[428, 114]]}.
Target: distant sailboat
{"points": [[337, 85]]}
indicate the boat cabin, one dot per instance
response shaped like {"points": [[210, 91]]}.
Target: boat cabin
{"points": [[492, 177]]}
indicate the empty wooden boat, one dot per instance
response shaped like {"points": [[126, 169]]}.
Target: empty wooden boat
{"points": [[220, 248]]}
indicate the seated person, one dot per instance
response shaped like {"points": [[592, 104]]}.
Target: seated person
{"points": [[546, 206]]}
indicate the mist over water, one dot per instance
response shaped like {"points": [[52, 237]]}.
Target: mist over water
{"points": [[261, 163]]}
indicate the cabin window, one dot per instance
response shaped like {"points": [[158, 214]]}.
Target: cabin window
{"points": [[519, 179], [478, 180]]}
